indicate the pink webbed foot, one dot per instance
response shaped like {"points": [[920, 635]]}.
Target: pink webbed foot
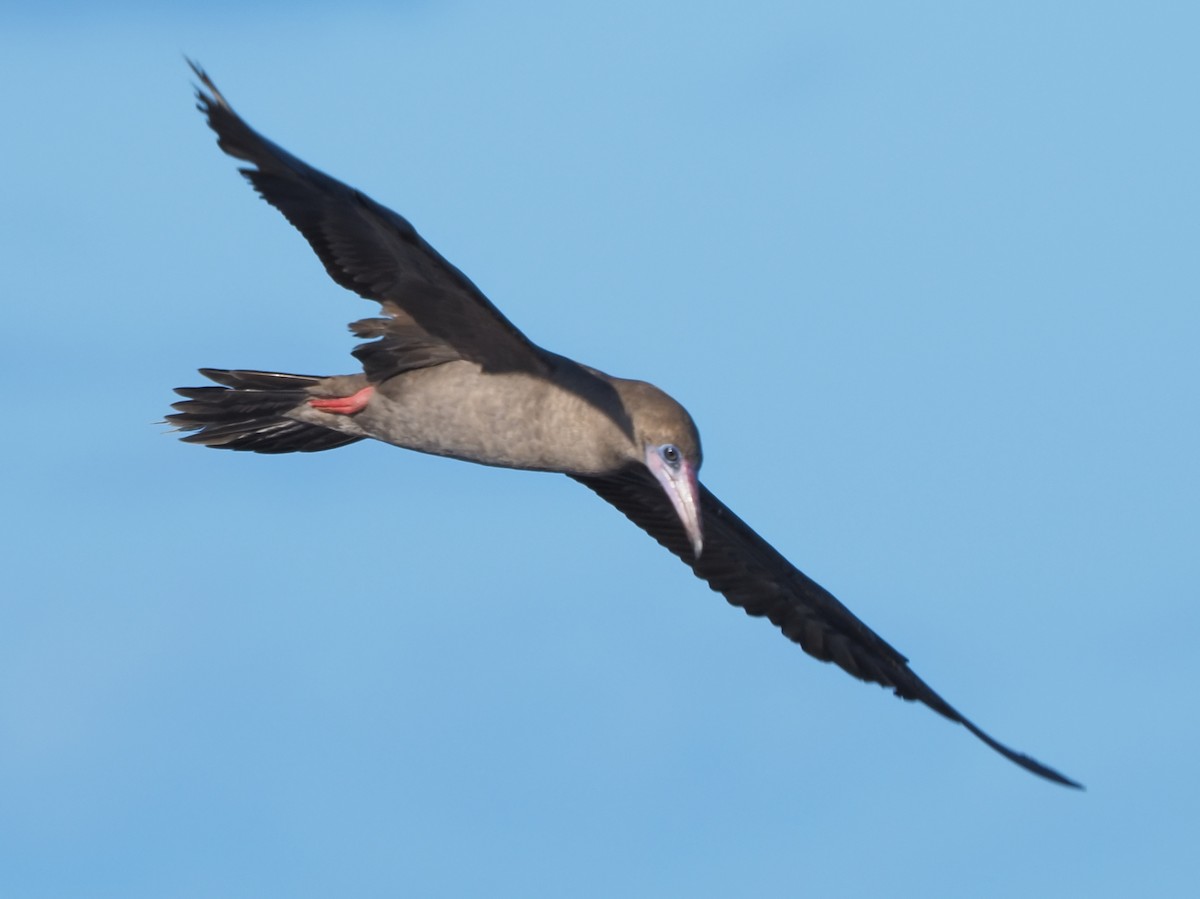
{"points": [[344, 405]]}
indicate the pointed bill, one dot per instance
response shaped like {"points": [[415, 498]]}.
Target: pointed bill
{"points": [[682, 488]]}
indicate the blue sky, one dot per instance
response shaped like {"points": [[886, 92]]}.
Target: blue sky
{"points": [[926, 276]]}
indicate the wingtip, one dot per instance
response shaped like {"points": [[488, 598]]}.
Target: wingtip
{"points": [[1031, 765], [213, 97]]}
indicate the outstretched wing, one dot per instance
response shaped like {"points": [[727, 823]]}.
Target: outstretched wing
{"points": [[752, 575], [374, 252]]}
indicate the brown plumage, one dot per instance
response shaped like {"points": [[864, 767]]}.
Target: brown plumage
{"points": [[445, 372]]}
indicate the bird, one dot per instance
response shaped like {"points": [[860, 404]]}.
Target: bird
{"points": [[444, 372]]}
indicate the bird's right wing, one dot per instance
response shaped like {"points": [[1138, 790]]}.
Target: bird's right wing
{"points": [[433, 309], [755, 577]]}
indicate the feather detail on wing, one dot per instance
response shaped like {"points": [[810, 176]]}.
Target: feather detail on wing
{"points": [[754, 576], [373, 251]]}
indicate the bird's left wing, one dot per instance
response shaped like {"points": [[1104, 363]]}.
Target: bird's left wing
{"points": [[754, 576], [376, 253]]}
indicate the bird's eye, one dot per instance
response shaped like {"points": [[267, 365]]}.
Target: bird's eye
{"points": [[671, 455]]}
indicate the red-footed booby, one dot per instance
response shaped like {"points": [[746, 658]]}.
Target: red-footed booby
{"points": [[445, 372]]}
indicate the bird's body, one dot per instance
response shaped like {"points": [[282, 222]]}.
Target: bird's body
{"points": [[444, 372], [569, 420]]}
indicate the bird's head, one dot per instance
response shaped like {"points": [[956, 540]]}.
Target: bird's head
{"points": [[669, 445]]}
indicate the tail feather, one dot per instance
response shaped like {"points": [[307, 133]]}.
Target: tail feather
{"points": [[246, 379], [249, 412]]}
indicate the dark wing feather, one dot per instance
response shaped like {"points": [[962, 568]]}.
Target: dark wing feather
{"points": [[753, 576], [371, 250]]}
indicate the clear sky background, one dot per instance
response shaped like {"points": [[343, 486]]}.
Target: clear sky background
{"points": [[925, 275]]}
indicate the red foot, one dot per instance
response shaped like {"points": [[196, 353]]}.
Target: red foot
{"points": [[344, 405]]}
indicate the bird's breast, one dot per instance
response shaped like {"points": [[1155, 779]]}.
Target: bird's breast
{"points": [[509, 419]]}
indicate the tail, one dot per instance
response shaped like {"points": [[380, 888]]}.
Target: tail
{"points": [[249, 412]]}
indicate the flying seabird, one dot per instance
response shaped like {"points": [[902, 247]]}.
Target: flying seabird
{"points": [[444, 372]]}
